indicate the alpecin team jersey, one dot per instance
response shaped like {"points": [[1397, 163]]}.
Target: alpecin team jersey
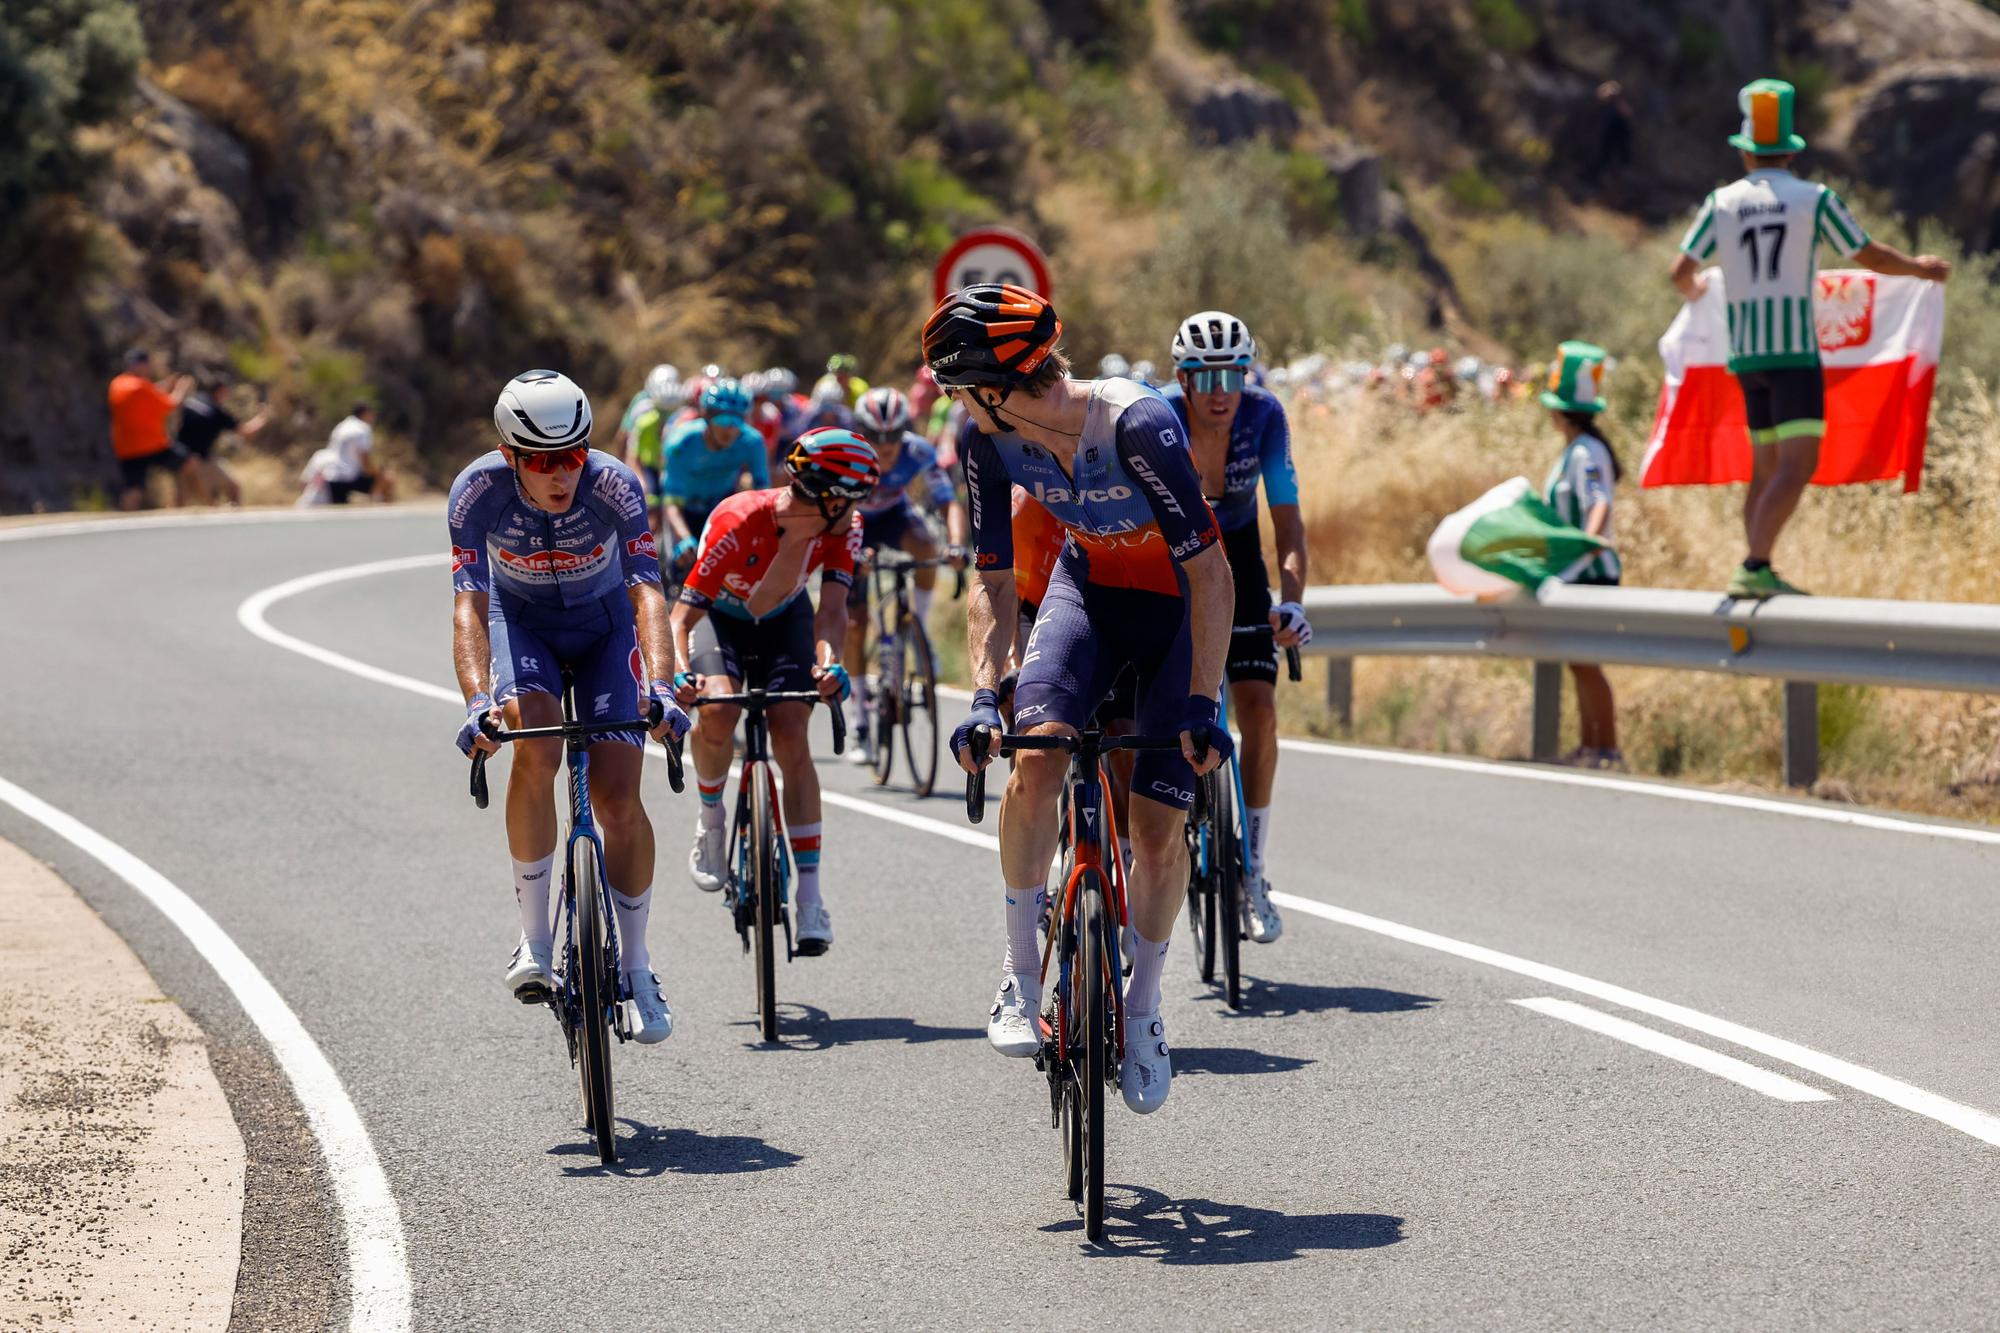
{"points": [[736, 550], [1260, 448], [916, 461], [1134, 509], [500, 542], [1766, 230]]}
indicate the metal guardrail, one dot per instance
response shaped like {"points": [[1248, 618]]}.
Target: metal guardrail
{"points": [[1802, 641]]}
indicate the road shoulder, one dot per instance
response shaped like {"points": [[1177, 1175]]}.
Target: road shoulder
{"points": [[121, 1165]]}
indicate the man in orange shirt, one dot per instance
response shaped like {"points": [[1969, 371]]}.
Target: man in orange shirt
{"points": [[140, 410]]}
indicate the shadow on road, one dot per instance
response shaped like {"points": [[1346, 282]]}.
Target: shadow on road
{"points": [[1283, 999], [1233, 1060], [647, 1150], [805, 1027], [1145, 1224]]}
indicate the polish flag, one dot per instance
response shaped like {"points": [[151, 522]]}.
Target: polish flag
{"points": [[1878, 343]]}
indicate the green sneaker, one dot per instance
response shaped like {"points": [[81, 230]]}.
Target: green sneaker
{"points": [[1761, 583]]}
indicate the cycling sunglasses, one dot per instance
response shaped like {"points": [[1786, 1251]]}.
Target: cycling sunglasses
{"points": [[726, 421], [553, 460], [1226, 380]]}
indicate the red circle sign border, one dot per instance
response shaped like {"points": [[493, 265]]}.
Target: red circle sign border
{"points": [[1030, 253]]}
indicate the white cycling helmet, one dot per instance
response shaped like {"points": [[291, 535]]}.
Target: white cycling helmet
{"points": [[1142, 371], [541, 410], [661, 384], [1213, 338], [1113, 367], [883, 411]]}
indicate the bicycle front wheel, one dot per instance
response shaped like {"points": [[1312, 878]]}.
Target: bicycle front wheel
{"points": [[1094, 1070], [920, 716], [1201, 896], [597, 991], [764, 834], [1226, 867], [886, 704]]}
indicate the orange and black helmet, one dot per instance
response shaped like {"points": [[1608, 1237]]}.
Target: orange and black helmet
{"points": [[990, 333]]}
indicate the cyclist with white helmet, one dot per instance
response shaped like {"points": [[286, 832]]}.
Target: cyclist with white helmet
{"points": [[889, 518], [706, 460], [1241, 438], [659, 375], [744, 621], [552, 566], [843, 373], [645, 443], [1114, 367], [774, 403]]}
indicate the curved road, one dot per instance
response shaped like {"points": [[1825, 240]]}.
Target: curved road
{"points": [[1385, 1136]]}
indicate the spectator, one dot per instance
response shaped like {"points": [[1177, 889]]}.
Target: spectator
{"points": [[140, 409], [1609, 133], [1579, 489], [352, 441], [204, 420]]}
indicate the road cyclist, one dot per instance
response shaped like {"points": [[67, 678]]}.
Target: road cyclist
{"points": [[1142, 582], [745, 621], [1241, 440], [645, 439], [707, 459], [555, 572], [661, 375], [891, 520]]}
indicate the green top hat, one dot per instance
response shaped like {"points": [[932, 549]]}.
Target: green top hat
{"points": [[1767, 118], [1576, 379]]}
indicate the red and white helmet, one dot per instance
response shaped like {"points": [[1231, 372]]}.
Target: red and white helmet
{"points": [[883, 411]]}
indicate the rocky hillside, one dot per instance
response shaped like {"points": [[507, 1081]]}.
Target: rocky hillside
{"points": [[344, 198]]}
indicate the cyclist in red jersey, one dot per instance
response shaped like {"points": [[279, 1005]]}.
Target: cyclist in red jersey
{"points": [[744, 621]]}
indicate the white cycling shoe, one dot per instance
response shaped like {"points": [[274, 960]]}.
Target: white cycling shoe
{"points": [[815, 930], [1261, 921], [1146, 1074], [859, 752], [708, 859], [649, 1006], [528, 974], [1010, 1024]]}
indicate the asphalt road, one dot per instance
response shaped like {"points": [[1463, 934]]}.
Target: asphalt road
{"points": [[1382, 1138]]}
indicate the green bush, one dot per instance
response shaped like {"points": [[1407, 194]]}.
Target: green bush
{"points": [[1469, 190], [63, 64]]}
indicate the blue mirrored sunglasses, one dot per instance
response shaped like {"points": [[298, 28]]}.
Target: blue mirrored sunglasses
{"points": [[1226, 380], [725, 421]]}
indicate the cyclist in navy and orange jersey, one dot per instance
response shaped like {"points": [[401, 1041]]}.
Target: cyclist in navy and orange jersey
{"points": [[1142, 582]]}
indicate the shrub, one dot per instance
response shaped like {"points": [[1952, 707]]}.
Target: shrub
{"points": [[63, 64]]}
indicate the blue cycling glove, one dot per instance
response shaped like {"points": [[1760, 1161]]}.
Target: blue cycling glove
{"points": [[671, 711], [985, 713], [1200, 724], [839, 673], [476, 709], [685, 547]]}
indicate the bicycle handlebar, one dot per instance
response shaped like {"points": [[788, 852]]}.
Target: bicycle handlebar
{"points": [[762, 699], [892, 560], [983, 740], [1292, 667], [576, 731]]}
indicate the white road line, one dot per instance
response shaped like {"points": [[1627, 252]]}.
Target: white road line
{"points": [[1965, 1119], [377, 1270], [1714, 1062], [210, 519], [250, 615]]}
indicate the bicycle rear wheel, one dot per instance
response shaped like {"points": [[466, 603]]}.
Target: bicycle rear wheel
{"points": [[1094, 1069], [887, 704], [920, 715], [1226, 869], [597, 991], [1201, 896], [763, 834]]}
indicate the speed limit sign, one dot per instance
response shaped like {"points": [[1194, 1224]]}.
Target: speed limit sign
{"points": [[991, 254]]}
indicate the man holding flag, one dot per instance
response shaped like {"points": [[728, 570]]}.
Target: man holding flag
{"points": [[1765, 230]]}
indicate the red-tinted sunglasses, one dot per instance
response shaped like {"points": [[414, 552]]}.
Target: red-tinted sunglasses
{"points": [[554, 460]]}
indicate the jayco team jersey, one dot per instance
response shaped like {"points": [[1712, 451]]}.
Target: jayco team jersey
{"points": [[500, 542], [1260, 448], [1134, 508], [1581, 480], [700, 477], [1766, 230], [916, 461]]}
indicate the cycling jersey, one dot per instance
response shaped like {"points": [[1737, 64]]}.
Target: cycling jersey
{"points": [[700, 477], [649, 436], [640, 402], [1260, 445], [737, 547], [917, 461], [1134, 508], [1038, 541], [500, 542]]}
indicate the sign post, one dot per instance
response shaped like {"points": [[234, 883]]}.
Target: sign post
{"points": [[991, 254]]}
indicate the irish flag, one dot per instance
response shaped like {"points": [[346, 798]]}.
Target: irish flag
{"points": [[1878, 340]]}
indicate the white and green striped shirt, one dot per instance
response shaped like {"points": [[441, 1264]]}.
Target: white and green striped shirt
{"points": [[1582, 479], [1766, 230]]}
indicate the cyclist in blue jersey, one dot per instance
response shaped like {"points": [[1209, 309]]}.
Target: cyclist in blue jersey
{"points": [[890, 518], [706, 460], [553, 566], [1142, 582], [1241, 439]]}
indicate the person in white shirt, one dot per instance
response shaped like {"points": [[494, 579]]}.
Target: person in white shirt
{"points": [[352, 441]]}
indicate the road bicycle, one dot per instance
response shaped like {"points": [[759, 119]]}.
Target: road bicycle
{"points": [[902, 681], [589, 996], [757, 890], [1216, 871], [1082, 1019]]}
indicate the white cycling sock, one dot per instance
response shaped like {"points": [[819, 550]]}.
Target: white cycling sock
{"points": [[1142, 992], [856, 706], [633, 954], [1024, 910], [1257, 825], [805, 860], [920, 602], [531, 894]]}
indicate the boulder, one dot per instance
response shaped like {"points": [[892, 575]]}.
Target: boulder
{"points": [[1239, 109], [1358, 171], [219, 158], [1929, 134]]}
